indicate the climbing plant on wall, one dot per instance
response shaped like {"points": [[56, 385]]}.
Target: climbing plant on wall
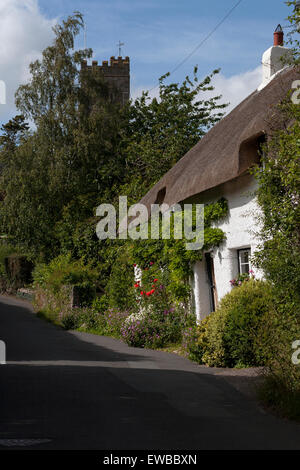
{"points": [[163, 263]]}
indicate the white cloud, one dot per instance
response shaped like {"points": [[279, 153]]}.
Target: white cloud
{"points": [[24, 33], [233, 89], [236, 88]]}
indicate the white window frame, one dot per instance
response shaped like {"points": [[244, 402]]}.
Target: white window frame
{"points": [[240, 263]]}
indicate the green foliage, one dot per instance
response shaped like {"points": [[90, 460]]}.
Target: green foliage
{"points": [[70, 160], [15, 268], [156, 329], [279, 254], [5, 251], [278, 196], [63, 271], [108, 322], [163, 129], [294, 20], [280, 329], [119, 289], [172, 258], [18, 270], [230, 336]]}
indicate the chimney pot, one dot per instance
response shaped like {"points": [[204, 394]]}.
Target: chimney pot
{"points": [[278, 36]]}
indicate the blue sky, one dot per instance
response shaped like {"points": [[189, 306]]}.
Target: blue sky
{"points": [[158, 34]]}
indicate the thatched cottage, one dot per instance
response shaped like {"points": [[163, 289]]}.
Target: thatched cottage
{"points": [[219, 166]]}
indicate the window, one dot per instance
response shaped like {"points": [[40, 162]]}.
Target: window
{"points": [[244, 261]]}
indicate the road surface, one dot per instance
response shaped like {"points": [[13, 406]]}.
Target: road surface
{"points": [[71, 390]]}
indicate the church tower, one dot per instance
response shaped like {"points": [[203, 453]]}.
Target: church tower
{"points": [[116, 74]]}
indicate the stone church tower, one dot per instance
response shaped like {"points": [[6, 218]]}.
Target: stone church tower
{"points": [[116, 74]]}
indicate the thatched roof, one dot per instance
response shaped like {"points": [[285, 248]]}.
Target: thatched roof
{"points": [[227, 150]]}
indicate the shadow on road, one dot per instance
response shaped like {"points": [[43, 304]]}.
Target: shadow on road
{"points": [[88, 392]]}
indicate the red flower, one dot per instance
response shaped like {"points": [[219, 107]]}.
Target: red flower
{"points": [[142, 293], [134, 265], [155, 280]]}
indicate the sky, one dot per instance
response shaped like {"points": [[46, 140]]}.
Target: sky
{"points": [[158, 35]]}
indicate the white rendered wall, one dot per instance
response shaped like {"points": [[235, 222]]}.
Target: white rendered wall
{"points": [[272, 63], [239, 226]]}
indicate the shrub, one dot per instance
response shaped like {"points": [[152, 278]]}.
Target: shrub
{"points": [[18, 269], [109, 323], [229, 336], [156, 329], [119, 290], [64, 271], [281, 388], [5, 251], [63, 283], [15, 268]]}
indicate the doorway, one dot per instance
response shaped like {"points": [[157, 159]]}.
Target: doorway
{"points": [[211, 281]]}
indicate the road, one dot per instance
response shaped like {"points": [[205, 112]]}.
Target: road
{"points": [[74, 390]]}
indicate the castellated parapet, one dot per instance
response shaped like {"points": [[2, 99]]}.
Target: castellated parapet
{"points": [[116, 74]]}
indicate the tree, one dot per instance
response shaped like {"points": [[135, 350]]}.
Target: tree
{"points": [[161, 130], [279, 254], [69, 155]]}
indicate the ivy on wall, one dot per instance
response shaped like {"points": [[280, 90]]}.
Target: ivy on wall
{"points": [[166, 260]]}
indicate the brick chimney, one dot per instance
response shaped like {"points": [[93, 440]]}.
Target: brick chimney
{"points": [[274, 59]]}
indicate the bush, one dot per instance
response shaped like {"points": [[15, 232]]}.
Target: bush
{"points": [[230, 336], [156, 329], [18, 269], [5, 251], [281, 388], [15, 268], [61, 284], [64, 271], [109, 323]]}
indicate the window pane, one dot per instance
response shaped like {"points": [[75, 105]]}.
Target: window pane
{"points": [[245, 268], [244, 261], [244, 256]]}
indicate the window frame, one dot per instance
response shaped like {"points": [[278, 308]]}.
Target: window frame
{"points": [[240, 264]]}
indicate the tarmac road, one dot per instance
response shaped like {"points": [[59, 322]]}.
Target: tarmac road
{"points": [[74, 390]]}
